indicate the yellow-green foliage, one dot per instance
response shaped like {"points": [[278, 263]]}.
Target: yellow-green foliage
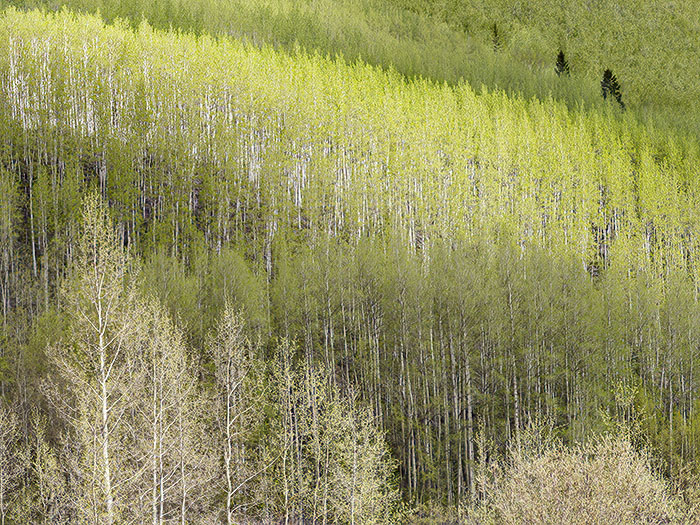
{"points": [[500, 256], [375, 32], [651, 46], [335, 463], [346, 150]]}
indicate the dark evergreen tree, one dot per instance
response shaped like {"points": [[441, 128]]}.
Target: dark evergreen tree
{"points": [[610, 86], [562, 66], [496, 37]]}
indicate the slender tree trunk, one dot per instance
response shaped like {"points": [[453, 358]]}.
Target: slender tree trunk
{"points": [[183, 476], [31, 223], [154, 460], [161, 473], [516, 405], [354, 481], [670, 423], [470, 433], [2, 497], [107, 476], [228, 450]]}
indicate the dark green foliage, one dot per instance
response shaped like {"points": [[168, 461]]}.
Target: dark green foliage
{"points": [[610, 86], [562, 66]]}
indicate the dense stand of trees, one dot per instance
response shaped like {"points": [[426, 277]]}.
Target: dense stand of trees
{"points": [[376, 32], [412, 262], [135, 437], [651, 45]]}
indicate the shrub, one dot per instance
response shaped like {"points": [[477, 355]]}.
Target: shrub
{"points": [[607, 481]]}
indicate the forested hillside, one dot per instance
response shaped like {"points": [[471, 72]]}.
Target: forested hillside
{"points": [[651, 46], [248, 280]]}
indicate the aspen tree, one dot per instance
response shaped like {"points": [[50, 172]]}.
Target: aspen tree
{"points": [[8, 266], [170, 416], [10, 466], [334, 464], [238, 400], [96, 365], [360, 482]]}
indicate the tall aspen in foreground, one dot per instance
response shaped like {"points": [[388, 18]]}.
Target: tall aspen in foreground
{"points": [[169, 417], [235, 402], [97, 372]]}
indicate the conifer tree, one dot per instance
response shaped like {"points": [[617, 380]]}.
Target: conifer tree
{"points": [[610, 86], [496, 38], [562, 66]]}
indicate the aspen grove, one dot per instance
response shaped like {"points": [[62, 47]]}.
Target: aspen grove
{"points": [[243, 284]]}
